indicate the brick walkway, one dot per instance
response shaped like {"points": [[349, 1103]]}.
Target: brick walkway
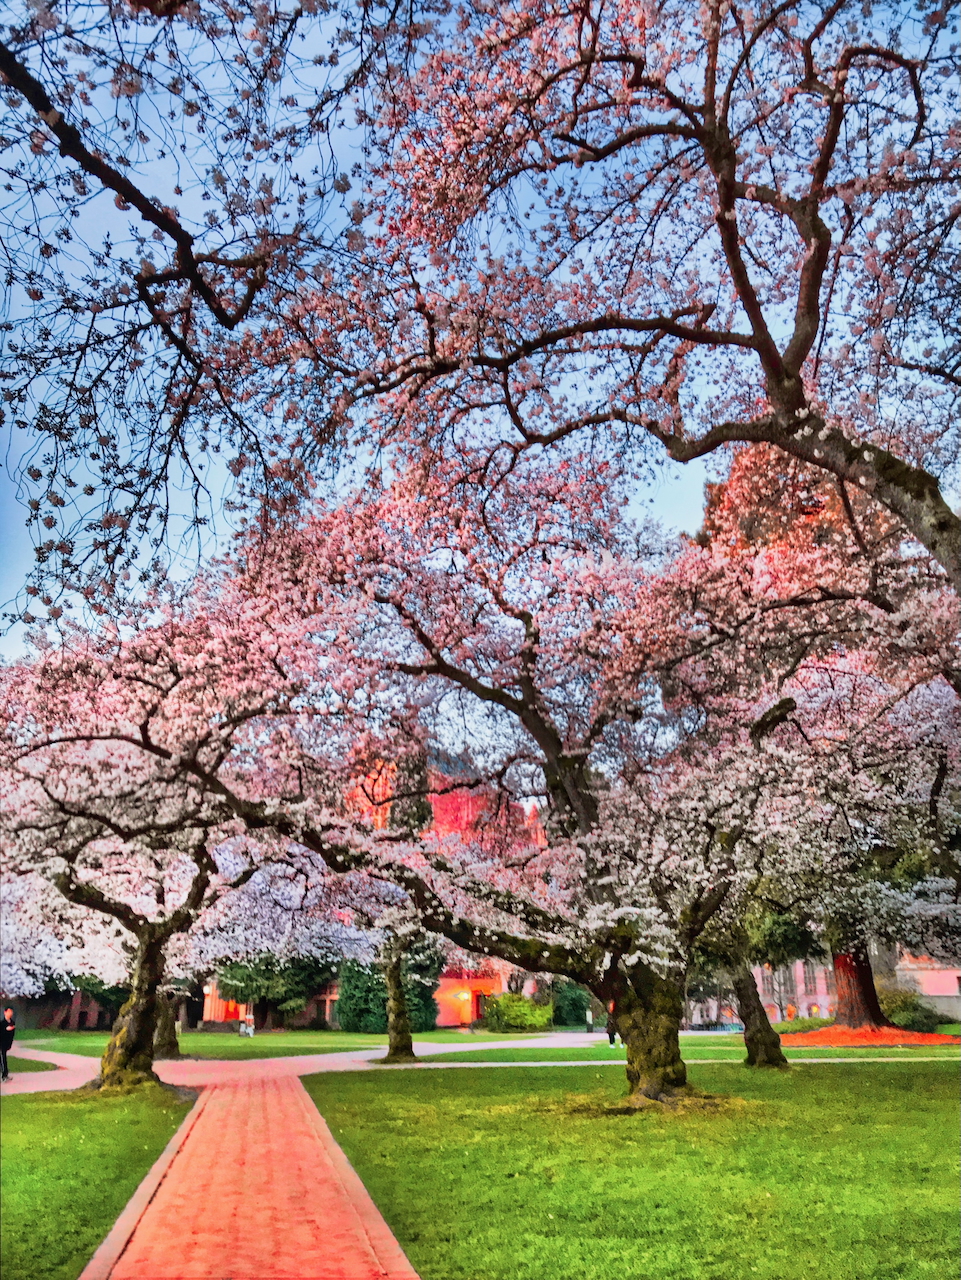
{"points": [[258, 1190], [253, 1186]]}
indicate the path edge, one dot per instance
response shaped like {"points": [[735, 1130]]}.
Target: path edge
{"points": [[110, 1249], [383, 1242]]}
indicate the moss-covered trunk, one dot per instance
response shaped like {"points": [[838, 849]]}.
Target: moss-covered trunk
{"points": [[166, 1044], [857, 1001], [129, 1056], [647, 1014], [400, 1045], [762, 1042]]}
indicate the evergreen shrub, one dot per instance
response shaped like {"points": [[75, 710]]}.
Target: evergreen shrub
{"points": [[571, 1003], [802, 1024], [905, 1008], [362, 995], [511, 1012]]}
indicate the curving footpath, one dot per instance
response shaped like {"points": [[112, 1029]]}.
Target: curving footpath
{"points": [[252, 1186]]}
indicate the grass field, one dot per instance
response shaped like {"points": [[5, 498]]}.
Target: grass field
{"points": [[70, 1162], [691, 1051], [501, 1175], [223, 1044], [25, 1064]]}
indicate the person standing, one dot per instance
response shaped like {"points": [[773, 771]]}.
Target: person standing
{"points": [[7, 1032]]}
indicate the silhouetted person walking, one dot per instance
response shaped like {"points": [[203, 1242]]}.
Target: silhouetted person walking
{"points": [[7, 1032]]}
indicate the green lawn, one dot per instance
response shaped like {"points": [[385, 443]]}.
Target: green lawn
{"points": [[70, 1162], [505, 1175], [27, 1064], [691, 1052], [223, 1044]]}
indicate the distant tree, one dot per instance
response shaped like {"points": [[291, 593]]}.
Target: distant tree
{"points": [[282, 986], [362, 993], [571, 1003]]}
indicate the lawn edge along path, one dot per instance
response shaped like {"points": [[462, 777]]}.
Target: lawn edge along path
{"points": [[384, 1243], [112, 1246], [300, 1177]]}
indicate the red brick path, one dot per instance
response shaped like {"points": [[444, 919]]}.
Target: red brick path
{"points": [[260, 1191]]}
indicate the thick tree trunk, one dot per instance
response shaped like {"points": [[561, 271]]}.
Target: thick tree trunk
{"points": [[857, 1001], [648, 1016], [400, 1046], [762, 1042], [129, 1056], [166, 1044], [264, 1015]]}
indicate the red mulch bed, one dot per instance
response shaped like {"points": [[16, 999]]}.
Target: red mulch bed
{"points": [[851, 1037]]}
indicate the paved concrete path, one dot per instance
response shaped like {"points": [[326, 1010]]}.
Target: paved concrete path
{"points": [[197, 1073], [75, 1070]]}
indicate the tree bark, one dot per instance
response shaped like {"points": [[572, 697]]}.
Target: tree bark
{"points": [[647, 1014], [400, 1046], [857, 1000], [762, 1042], [166, 1044], [129, 1056]]}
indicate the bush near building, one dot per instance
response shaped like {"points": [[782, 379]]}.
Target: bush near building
{"points": [[511, 1012], [802, 1024], [906, 1009]]}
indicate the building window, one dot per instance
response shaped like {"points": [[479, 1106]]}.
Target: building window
{"points": [[767, 980], [810, 979]]}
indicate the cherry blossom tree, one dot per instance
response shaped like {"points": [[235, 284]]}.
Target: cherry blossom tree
{"points": [[686, 223], [172, 172], [46, 939], [675, 224], [97, 796], [532, 615], [586, 668]]}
